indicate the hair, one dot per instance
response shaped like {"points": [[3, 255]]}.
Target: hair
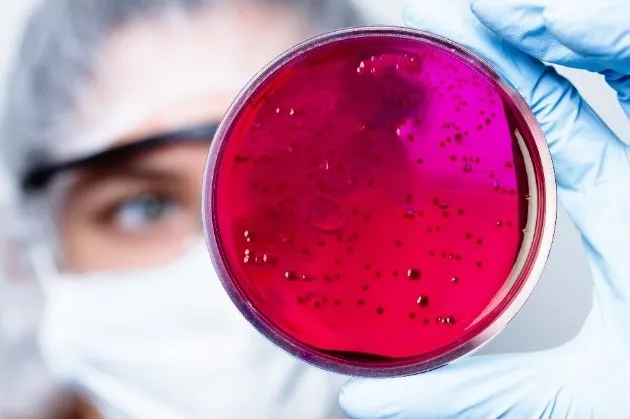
{"points": [[59, 53]]}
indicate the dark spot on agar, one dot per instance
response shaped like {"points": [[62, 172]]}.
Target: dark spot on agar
{"points": [[395, 273], [360, 302], [379, 310], [366, 287], [413, 273], [290, 275], [367, 267], [398, 243], [423, 301]]}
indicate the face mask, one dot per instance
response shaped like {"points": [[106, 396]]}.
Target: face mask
{"points": [[168, 343]]}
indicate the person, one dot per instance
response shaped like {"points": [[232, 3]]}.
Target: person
{"points": [[589, 376], [110, 111]]}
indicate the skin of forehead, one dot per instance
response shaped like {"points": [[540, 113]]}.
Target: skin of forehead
{"points": [[146, 68]]}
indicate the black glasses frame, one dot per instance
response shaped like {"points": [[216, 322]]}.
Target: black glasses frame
{"points": [[38, 177]]}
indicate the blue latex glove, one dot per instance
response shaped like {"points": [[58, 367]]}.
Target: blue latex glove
{"points": [[588, 377]]}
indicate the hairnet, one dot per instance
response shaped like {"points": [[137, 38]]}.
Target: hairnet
{"points": [[59, 55]]}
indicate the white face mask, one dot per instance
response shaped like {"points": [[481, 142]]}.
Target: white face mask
{"points": [[168, 343]]}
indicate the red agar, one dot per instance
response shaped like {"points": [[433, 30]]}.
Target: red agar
{"points": [[370, 198]]}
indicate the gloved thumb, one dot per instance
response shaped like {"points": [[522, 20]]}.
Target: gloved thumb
{"points": [[527, 385], [598, 30], [593, 36]]}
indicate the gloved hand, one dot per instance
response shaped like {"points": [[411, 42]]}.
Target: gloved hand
{"points": [[588, 377]]}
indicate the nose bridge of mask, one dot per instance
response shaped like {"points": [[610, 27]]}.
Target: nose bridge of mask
{"points": [[86, 314], [182, 292]]}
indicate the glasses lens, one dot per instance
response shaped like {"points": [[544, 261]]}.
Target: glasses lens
{"points": [[136, 211], [370, 198]]}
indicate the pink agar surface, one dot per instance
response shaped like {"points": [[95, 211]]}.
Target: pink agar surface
{"points": [[370, 198]]}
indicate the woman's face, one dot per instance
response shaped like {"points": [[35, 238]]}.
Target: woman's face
{"points": [[156, 78]]}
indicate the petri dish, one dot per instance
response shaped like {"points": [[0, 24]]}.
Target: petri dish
{"points": [[379, 202]]}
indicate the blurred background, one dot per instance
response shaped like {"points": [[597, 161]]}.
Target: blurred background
{"points": [[552, 316]]}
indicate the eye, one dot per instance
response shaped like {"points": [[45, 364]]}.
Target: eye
{"points": [[143, 212]]}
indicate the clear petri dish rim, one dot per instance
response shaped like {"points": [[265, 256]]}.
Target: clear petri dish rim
{"points": [[534, 250]]}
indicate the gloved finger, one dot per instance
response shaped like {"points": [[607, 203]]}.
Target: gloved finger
{"points": [[592, 165], [594, 36], [496, 386]]}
